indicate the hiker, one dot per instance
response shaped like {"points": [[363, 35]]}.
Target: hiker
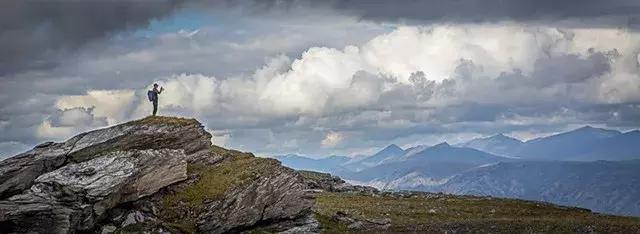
{"points": [[153, 97]]}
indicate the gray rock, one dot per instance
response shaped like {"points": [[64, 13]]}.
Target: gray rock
{"points": [[114, 178], [309, 224], [361, 224], [108, 229], [327, 182], [280, 195], [136, 217], [17, 173]]}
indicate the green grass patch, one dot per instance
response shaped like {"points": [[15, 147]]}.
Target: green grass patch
{"points": [[181, 208], [331, 226], [314, 175], [471, 214], [152, 120], [235, 169]]}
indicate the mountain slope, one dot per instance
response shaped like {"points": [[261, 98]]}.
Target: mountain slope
{"points": [[413, 212], [328, 164], [388, 153], [431, 166], [497, 144], [570, 145], [610, 187], [620, 147]]}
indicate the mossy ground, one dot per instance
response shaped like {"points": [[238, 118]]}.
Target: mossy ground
{"points": [[469, 214], [214, 182], [149, 120], [313, 175]]}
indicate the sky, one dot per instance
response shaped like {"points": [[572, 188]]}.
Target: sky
{"points": [[320, 78]]}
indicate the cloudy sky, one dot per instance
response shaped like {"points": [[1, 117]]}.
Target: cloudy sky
{"points": [[320, 77]]}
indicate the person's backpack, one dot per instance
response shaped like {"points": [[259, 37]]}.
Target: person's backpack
{"points": [[150, 95]]}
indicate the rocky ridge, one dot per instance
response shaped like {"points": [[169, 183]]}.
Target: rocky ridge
{"points": [[156, 174]]}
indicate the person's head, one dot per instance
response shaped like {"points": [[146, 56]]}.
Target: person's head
{"points": [[155, 85]]}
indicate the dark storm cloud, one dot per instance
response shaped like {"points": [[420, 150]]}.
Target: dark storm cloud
{"points": [[35, 34], [38, 34], [488, 10]]}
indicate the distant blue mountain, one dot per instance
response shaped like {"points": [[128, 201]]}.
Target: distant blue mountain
{"points": [[339, 163], [388, 153], [431, 166], [328, 164], [551, 168], [570, 145], [603, 186], [498, 144], [620, 147], [582, 144]]}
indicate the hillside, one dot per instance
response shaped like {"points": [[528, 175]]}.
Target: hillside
{"points": [[438, 213], [498, 144], [608, 187], [162, 175], [431, 166], [328, 164], [582, 144]]}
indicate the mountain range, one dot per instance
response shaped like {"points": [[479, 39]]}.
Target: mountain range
{"points": [[603, 186], [565, 168]]}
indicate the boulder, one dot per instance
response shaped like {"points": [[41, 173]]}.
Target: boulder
{"points": [[85, 191], [278, 195], [19, 172]]}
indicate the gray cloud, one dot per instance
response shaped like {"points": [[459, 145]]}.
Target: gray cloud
{"points": [[35, 34], [78, 116], [489, 10], [38, 35]]}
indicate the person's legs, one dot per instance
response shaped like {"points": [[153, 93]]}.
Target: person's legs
{"points": [[155, 107]]}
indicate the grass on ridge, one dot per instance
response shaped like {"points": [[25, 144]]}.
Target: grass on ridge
{"points": [[236, 169], [164, 120], [314, 175], [473, 214]]}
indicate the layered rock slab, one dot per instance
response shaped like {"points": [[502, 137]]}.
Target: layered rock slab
{"points": [[78, 195]]}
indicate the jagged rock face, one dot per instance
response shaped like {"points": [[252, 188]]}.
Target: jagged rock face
{"points": [[273, 197], [117, 178], [328, 183], [17, 173], [85, 191]]}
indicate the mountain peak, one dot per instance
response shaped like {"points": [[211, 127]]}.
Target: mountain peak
{"points": [[633, 132], [499, 136], [387, 153], [393, 147], [503, 137], [588, 129], [442, 145]]}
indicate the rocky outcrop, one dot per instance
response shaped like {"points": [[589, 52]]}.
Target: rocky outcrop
{"points": [[156, 174], [273, 197], [19, 172], [86, 191], [328, 183]]}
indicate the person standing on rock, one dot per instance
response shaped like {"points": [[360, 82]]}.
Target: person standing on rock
{"points": [[153, 97]]}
